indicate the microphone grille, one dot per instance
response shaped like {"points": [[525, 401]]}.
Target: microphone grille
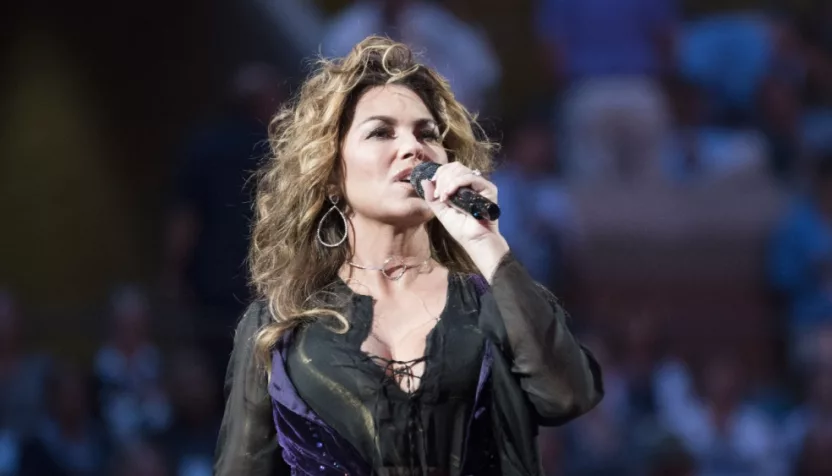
{"points": [[423, 171]]}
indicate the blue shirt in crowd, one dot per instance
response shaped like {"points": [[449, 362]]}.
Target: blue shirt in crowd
{"points": [[607, 37], [800, 264]]}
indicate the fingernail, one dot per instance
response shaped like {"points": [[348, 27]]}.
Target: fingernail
{"points": [[436, 194]]}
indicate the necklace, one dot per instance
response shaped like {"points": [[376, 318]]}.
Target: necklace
{"points": [[389, 264]]}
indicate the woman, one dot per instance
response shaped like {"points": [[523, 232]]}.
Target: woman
{"points": [[396, 335]]}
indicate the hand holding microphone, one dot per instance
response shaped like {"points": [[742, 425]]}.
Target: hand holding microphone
{"points": [[463, 197], [457, 194]]}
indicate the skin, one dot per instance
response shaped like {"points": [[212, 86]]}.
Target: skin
{"points": [[392, 131]]}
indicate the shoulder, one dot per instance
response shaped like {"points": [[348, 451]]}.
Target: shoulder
{"points": [[256, 315]]}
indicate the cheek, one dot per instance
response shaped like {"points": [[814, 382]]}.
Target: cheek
{"points": [[438, 154], [367, 162]]}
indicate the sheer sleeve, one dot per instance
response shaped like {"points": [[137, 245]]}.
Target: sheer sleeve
{"points": [[247, 443], [559, 376]]}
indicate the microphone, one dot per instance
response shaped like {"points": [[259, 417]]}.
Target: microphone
{"points": [[465, 198]]}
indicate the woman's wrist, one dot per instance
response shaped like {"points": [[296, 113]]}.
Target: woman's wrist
{"points": [[487, 254]]}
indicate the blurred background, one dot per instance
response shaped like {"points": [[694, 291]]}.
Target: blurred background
{"points": [[666, 169]]}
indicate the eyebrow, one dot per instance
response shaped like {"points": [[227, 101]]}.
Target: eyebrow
{"points": [[426, 121]]}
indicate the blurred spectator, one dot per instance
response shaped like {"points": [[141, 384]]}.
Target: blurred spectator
{"points": [[800, 258], [460, 52], [9, 451], [207, 237], [817, 130], [140, 459], [815, 459], [22, 376], [128, 369], [814, 415], [196, 395], [813, 350], [669, 458], [610, 55], [297, 27], [600, 442], [822, 349], [726, 435], [729, 56], [69, 441], [751, 67], [704, 152], [637, 360], [673, 387], [817, 95], [781, 114], [538, 217]]}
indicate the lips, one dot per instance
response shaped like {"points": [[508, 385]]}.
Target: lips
{"points": [[404, 175]]}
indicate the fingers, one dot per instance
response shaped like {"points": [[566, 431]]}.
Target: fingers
{"points": [[450, 177], [429, 188], [439, 207], [478, 184]]}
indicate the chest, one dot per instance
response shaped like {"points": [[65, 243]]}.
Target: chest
{"points": [[410, 339], [400, 329]]}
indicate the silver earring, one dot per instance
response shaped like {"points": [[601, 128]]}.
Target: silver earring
{"points": [[334, 199]]}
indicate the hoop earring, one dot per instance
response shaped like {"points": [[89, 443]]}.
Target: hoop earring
{"points": [[334, 199]]}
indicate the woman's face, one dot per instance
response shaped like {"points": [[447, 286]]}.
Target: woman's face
{"points": [[392, 131]]}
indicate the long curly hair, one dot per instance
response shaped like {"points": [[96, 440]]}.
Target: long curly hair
{"points": [[289, 268]]}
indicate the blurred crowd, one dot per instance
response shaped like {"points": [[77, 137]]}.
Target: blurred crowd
{"points": [[676, 148]]}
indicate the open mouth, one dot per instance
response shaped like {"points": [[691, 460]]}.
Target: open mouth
{"points": [[404, 176]]}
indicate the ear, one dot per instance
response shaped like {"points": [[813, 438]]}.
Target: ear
{"points": [[335, 184], [332, 190]]}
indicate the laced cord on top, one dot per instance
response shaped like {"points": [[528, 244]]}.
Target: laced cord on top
{"points": [[396, 371]]}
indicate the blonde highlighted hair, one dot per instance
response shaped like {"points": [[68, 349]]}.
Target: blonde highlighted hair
{"points": [[289, 268]]}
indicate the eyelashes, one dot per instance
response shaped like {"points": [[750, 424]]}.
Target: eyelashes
{"points": [[381, 133], [387, 133], [430, 134]]}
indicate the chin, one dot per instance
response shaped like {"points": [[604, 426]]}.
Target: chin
{"points": [[412, 212]]}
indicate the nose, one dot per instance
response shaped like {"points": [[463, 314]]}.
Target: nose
{"points": [[411, 148]]}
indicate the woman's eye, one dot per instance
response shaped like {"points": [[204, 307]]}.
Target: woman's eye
{"points": [[430, 134], [381, 132]]}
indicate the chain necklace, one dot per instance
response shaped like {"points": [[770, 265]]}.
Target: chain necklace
{"points": [[391, 263]]}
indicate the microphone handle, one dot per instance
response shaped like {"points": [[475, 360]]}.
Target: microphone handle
{"points": [[478, 206]]}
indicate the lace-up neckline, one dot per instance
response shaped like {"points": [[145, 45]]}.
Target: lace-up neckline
{"points": [[365, 396]]}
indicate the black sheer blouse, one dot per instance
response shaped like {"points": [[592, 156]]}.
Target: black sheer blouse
{"points": [[537, 374], [359, 397]]}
